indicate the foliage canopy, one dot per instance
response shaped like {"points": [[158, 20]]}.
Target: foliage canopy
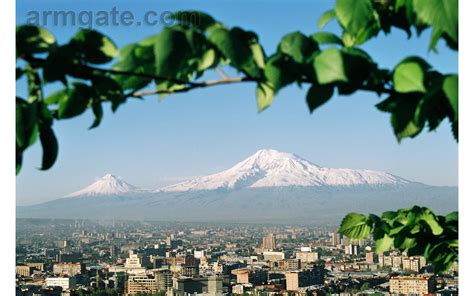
{"points": [[415, 94], [417, 231]]}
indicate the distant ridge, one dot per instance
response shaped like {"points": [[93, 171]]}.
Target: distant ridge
{"points": [[268, 186], [107, 185], [272, 168]]}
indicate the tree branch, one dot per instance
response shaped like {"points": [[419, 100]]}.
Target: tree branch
{"points": [[228, 80], [188, 85]]}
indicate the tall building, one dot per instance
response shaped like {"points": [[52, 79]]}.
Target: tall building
{"points": [[306, 256], [351, 249], [141, 284], [289, 264], [370, 256], [36, 265], [63, 282], [70, 269], [24, 270], [199, 254], [210, 286], [133, 261], [250, 276], [413, 263], [269, 242], [335, 238], [412, 285], [273, 256], [62, 244], [303, 278], [114, 251], [164, 279]]}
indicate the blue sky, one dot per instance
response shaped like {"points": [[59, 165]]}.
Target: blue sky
{"points": [[152, 143]]}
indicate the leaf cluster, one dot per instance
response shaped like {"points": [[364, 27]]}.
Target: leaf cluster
{"points": [[94, 71], [417, 231]]}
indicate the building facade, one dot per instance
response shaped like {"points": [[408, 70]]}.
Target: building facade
{"points": [[409, 285]]}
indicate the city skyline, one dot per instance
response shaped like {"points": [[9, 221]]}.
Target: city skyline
{"points": [[154, 257]]}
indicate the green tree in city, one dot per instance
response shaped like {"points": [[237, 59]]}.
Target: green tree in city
{"points": [[416, 95]]}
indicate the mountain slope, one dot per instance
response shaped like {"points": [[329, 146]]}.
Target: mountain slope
{"points": [[269, 186], [107, 185], [271, 168]]}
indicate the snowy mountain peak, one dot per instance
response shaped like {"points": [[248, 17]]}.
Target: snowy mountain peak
{"points": [[272, 159], [272, 168], [107, 185]]}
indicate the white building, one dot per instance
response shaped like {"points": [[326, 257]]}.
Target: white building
{"points": [[63, 282], [307, 255], [133, 261], [273, 256], [199, 254]]}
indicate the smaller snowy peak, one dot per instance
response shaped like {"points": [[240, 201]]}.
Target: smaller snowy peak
{"points": [[107, 185]]}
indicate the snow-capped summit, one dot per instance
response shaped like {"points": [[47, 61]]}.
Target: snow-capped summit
{"points": [[272, 168], [107, 185]]}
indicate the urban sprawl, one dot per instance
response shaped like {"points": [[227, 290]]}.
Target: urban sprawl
{"points": [[81, 257]]}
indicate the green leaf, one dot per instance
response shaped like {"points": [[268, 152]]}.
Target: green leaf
{"points": [[348, 40], [58, 63], [172, 51], [26, 124], [434, 106], [265, 95], [35, 88], [238, 46], [409, 75], [356, 226], [65, 60], [325, 18], [430, 218], [358, 65], [298, 46], [405, 243], [450, 88], [31, 40], [107, 89], [19, 73], [452, 217], [76, 101], [202, 56], [441, 14], [318, 95], [19, 160], [56, 97], [138, 59], [383, 244], [280, 71], [193, 18], [329, 66], [98, 113], [403, 109], [50, 147], [96, 47], [322, 38], [258, 54], [407, 7], [207, 60], [354, 15]]}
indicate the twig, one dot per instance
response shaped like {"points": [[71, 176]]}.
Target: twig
{"points": [[221, 72], [228, 80]]}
